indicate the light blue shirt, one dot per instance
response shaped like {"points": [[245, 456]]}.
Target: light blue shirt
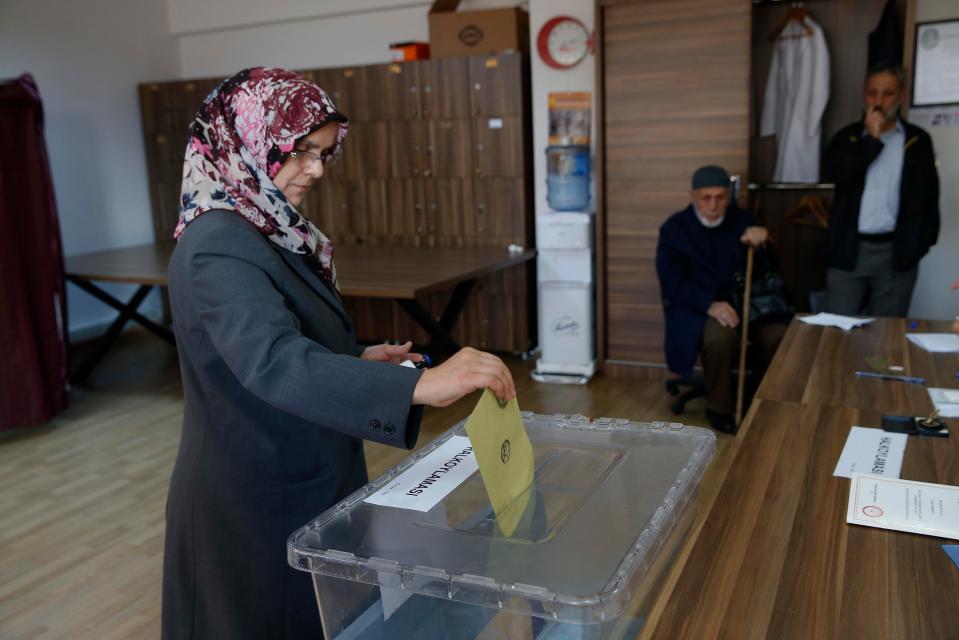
{"points": [[879, 206]]}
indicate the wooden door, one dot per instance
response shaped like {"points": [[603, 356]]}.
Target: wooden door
{"points": [[676, 80]]}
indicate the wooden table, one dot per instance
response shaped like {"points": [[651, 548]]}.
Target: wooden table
{"points": [[403, 274], [773, 556], [144, 265]]}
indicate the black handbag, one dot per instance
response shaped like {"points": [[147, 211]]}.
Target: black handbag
{"points": [[767, 298]]}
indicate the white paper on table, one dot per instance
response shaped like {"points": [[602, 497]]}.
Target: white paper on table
{"points": [[904, 505], [936, 342], [946, 401], [872, 452], [833, 320]]}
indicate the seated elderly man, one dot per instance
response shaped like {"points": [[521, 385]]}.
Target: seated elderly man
{"points": [[698, 255]]}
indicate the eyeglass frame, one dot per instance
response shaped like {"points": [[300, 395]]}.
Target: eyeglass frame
{"points": [[312, 157]]}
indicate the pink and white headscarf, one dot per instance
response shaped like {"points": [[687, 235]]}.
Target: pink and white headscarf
{"points": [[241, 136]]}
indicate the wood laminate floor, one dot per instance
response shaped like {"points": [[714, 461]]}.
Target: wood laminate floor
{"points": [[82, 498]]}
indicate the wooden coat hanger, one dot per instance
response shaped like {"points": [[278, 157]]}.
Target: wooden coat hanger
{"points": [[809, 205], [798, 14]]}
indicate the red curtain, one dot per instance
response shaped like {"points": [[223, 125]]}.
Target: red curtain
{"points": [[34, 384]]}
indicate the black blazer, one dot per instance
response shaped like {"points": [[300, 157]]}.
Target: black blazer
{"points": [[276, 403], [917, 227]]}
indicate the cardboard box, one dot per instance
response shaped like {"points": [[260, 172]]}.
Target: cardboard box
{"points": [[467, 33]]}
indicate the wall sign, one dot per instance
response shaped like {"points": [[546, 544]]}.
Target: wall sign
{"points": [[936, 67]]}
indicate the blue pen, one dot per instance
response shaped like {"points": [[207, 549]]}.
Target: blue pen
{"points": [[422, 364], [889, 376]]}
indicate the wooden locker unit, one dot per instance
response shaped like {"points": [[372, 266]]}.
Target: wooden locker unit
{"points": [[408, 177]]}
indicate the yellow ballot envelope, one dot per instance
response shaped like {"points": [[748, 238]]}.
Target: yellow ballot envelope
{"points": [[505, 457]]}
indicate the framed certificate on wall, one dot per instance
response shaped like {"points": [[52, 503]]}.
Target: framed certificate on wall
{"points": [[936, 71]]}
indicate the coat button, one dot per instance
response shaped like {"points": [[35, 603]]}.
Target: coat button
{"points": [[389, 428], [375, 424]]}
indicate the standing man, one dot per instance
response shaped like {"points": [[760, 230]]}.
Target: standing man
{"points": [[700, 249], [886, 213]]}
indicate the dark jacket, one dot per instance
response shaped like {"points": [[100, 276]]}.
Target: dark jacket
{"points": [[696, 267], [917, 227], [276, 404]]}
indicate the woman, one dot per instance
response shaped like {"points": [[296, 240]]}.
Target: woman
{"points": [[277, 393]]}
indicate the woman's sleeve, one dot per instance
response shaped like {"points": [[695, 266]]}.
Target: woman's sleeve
{"points": [[259, 339]]}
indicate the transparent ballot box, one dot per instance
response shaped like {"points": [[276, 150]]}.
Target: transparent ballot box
{"points": [[610, 504]]}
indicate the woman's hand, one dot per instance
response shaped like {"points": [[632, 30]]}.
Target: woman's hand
{"points": [[468, 370], [395, 353]]}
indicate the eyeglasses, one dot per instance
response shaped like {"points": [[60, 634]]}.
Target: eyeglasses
{"points": [[306, 158]]}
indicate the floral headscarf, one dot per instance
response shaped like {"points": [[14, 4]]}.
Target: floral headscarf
{"points": [[241, 136]]}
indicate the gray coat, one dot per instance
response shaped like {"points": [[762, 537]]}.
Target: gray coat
{"points": [[276, 404]]}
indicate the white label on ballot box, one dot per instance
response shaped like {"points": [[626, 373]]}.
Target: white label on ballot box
{"points": [[904, 505], [431, 478]]}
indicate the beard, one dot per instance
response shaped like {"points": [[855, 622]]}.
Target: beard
{"points": [[892, 113]]}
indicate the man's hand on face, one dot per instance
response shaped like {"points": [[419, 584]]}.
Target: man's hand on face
{"points": [[755, 236], [724, 314], [874, 121]]}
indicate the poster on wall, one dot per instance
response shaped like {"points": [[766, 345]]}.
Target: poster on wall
{"points": [[936, 72], [569, 118]]}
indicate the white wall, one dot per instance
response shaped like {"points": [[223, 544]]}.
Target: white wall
{"points": [[220, 37], [932, 297], [87, 58]]}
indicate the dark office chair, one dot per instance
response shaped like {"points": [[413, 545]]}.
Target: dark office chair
{"points": [[697, 389]]}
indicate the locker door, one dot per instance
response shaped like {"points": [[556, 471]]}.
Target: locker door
{"points": [[449, 203], [500, 210], [409, 149], [407, 220], [498, 146], [333, 215], [394, 91], [378, 212], [366, 151], [497, 84], [350, 93], [449, 149], [444, 88]]}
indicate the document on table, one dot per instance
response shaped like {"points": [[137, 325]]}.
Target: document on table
{"points": [[872, 451], [505, 457], [936, 342], [946, 401], [832, 320], [904, 505]]}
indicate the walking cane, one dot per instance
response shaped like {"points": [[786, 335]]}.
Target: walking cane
{"points": [[745, 337]]}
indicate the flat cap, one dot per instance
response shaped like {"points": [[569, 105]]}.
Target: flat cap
{"points": [[710, 176]]}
